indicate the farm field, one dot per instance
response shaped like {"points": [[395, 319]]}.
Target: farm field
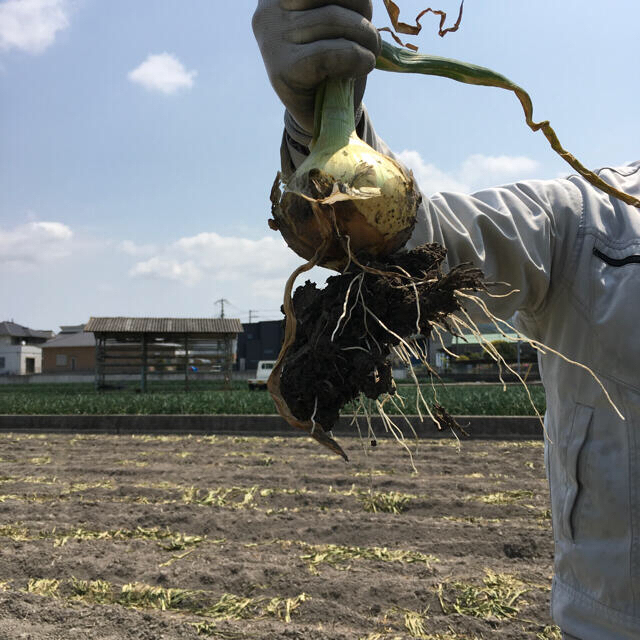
{"points": [[71, 399], [167, 537]]}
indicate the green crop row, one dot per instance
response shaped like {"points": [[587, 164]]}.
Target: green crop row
{"points": [[457, 400], [479, 399], [71, 388], [126, 402]]}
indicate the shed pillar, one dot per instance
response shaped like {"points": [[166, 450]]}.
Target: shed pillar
{"points": [[143, 369], [186, 362], [100, 358], [228, 350]]}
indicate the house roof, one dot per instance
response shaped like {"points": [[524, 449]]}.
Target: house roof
{"points": [[164, 325], [486, 337], [77, 339], [71, 328], [14, 330]]}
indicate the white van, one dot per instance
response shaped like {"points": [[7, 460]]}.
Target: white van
{"points": [[262, 374]]}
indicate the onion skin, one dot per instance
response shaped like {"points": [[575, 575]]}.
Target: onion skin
{"points": [[365, 200]]}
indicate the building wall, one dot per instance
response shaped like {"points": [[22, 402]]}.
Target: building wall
{"points": [[259, 341], [9, 359], [30, 353], [61, 359], [18, 357]]}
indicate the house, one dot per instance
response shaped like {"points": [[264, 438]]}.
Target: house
{"points": [[72, 350], [20, 348]]}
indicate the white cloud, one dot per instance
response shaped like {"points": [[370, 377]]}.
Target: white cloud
{"points": [[228, 256], [35, 242], [162, 72], [476, 172], [477, 169], [168, 269], [31, 25], [133, 249], [259, 267], [428, 176]]}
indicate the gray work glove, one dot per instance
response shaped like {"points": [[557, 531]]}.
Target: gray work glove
{"points": [[303, 42]]}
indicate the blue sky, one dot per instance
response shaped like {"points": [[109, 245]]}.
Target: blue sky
{"points": [[139, 140]]}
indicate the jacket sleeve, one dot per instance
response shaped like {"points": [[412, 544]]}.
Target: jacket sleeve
{"points": [[518, 235]]}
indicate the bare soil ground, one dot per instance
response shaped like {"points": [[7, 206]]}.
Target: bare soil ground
{"points": [[167, 537]]}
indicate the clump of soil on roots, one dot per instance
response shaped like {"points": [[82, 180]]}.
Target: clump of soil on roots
{"points": [[345, 333]]}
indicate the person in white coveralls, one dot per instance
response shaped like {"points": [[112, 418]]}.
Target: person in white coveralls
{"points": [[573, 254]]}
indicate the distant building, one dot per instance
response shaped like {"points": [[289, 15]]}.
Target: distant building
{"points": [[72, 350], [260, 341], [467, 356], [146, 347], [20, 348]]}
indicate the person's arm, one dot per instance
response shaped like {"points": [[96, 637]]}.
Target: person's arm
{"points": [[518, 234]]}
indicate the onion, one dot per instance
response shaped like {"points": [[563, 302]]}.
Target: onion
{"points": [[345, 195]]}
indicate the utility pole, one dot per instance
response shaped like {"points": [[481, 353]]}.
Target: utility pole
{"points": [[221, 302], [252, 313]]}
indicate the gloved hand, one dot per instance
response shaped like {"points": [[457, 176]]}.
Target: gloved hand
{"points": [[303, 42]]}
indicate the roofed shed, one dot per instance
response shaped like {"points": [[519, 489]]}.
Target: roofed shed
{"points": [[188, 347]]}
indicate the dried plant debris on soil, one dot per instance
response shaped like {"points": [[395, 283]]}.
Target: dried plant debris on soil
{"points": [[96, 551], [345, 332]]}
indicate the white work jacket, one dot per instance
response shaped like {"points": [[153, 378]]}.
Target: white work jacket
{"points": [[573, 255]]}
